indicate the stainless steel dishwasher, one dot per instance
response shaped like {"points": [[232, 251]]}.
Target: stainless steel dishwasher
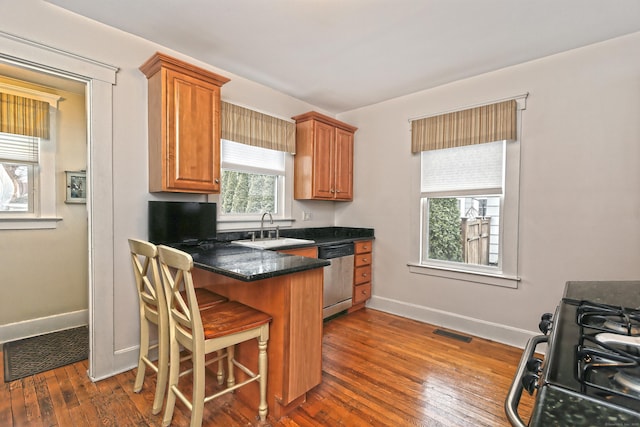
{"points": [[338, 278]]}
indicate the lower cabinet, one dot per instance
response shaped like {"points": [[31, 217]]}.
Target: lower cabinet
{"points": [[362, 273]]}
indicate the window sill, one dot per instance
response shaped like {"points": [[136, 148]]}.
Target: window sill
{"points": [[243, 224], [28, 223], [496, 279]]}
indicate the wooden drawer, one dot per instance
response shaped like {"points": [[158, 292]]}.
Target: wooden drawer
{"points": [[309, 252], [362, 274], [361, 293], [363, 246], [362, 259]]}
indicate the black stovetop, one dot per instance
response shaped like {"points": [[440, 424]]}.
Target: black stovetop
{"points": [[563, 399]]}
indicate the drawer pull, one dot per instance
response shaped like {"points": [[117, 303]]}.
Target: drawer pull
{"points": [[365, 260], [364, 292], [364, 274]]}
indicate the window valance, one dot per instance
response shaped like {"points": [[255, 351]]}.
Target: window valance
{"points": [[487, 123], [24, 116], [250, 127]]}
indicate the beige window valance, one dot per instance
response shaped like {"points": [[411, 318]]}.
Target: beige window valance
{"points": [[24, 116], [250, 127], [487, 123]]}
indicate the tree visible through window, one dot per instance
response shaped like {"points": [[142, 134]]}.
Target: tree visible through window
{"points": [[247, 193]]}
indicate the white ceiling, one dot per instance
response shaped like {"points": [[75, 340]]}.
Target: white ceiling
{"points": [[343, 54]]}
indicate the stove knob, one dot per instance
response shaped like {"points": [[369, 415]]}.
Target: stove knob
{"points": [[534, 365], [545, 323], [530, 382]]}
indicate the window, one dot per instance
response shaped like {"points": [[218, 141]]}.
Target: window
{"points": [[19, 157], [27, 158], [253, 181], [469, 193], [254, 167], [461, 204]]}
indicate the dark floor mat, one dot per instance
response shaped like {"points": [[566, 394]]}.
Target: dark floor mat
{"points": [[33, 355]]}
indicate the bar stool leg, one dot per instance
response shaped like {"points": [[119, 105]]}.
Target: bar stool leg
{"points": [[174, 376], [262, 370], [220, 374], [197, 400], [144, 352], [231, 354], [163, 366]]}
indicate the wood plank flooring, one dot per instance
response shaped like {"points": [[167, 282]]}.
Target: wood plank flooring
{"points": [[378, 370]]}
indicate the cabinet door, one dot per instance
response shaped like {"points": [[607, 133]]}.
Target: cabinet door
{"points": [[344, 165], [323, 161], [193, 134]]}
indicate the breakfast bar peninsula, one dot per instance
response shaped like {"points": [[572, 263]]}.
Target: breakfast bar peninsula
{"points": [[289, 288]]}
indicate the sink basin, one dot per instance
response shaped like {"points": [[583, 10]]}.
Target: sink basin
{"points": [[272, 243]]}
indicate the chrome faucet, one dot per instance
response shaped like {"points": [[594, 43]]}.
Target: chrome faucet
{"points": [[262, 223]]}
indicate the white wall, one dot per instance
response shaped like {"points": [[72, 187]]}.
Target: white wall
{"points": [[579, 199]]}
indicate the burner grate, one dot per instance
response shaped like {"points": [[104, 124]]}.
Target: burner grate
{"points": [[609, 318], [608, 349]]}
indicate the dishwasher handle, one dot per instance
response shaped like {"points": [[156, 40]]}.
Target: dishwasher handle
{"points": [[336, 250]]}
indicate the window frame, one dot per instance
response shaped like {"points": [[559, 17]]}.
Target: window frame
{"points": [[44, 215], [506, 275]]}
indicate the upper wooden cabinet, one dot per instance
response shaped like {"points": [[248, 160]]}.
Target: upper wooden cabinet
{"points": [[324, 158], [184, 126]]}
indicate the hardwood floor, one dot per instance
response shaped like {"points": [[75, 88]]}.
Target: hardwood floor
{"points": [[378, 370]]}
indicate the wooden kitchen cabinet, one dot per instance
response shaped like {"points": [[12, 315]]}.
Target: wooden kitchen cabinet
{"points": [[184, 126], [362, 274], [323, 168]]}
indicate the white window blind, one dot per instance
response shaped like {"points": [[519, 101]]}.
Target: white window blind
{"points": [[472, 169], [258, 159], [19, 148]]}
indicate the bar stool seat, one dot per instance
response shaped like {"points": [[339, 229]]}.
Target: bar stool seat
{"points": [[206, 298]]}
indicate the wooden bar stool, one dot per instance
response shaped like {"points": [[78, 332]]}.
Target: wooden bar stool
{"points": [[202, 332], [153, 311]]}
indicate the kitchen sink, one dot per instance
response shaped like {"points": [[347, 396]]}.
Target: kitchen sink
{"points": [[272, 243]]}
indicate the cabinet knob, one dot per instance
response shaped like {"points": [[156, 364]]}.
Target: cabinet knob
{"points": [[364, 292], [365, 260], [364, 274], [217, 181], [332, 191]]}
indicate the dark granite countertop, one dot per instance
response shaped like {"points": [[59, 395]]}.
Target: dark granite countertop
{"points": [[613, 292], [247, 264]]}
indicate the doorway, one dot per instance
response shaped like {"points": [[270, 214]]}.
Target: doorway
{"points": [[98, 79]]}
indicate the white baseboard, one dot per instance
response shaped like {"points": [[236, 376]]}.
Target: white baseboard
{"points": [[43, 325], [492, 331]]}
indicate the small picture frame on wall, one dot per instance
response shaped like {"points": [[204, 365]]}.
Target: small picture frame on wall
{"points": [[76, 187]]}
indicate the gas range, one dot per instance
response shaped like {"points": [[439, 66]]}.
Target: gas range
{"points": [[591, 371]]}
